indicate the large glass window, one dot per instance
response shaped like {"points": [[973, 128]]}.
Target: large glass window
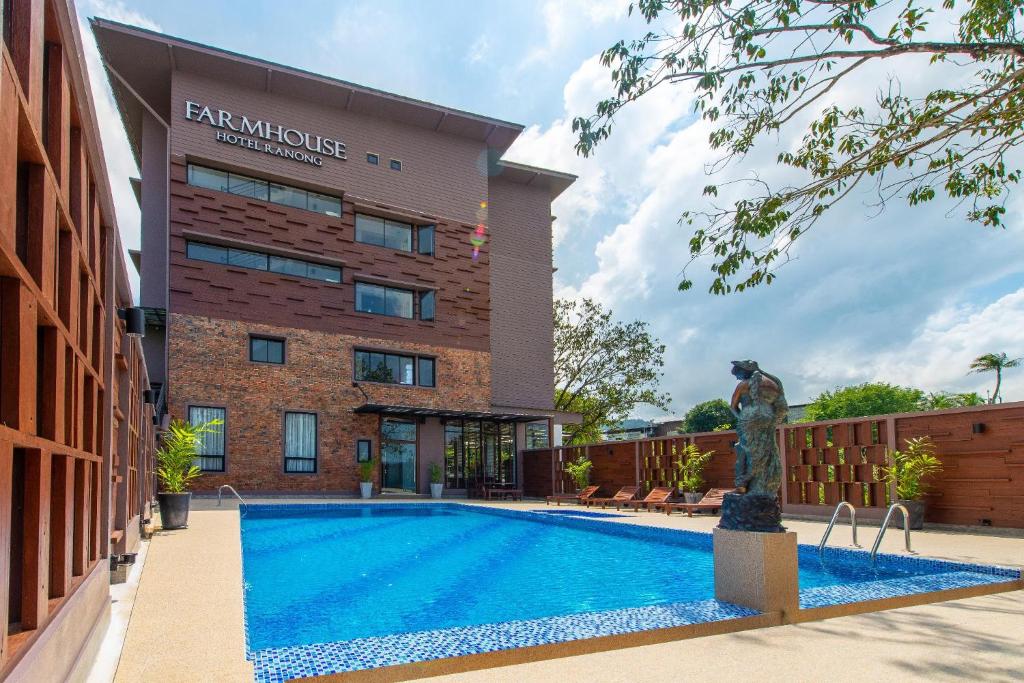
{"points": [[254, 260], [255, 188], [479, 453], [384, 300], [300, 442], [210, 449], [398, 455], [264, 350], [383, 232], [393, 368], [537, 435]]}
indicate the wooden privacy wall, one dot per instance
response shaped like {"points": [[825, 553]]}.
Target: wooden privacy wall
{"points": [[59, 261], [981, 448]]}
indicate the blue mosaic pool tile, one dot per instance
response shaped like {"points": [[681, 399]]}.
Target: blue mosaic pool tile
{"points": [[276, 664], [279, 664], [828, 596]]}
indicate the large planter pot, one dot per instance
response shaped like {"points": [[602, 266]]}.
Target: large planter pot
{"points": [[366, 489], [916, 509], [436, 489], [692, 496], [174, 509]]}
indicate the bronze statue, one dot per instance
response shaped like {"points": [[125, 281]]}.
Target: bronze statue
{"points": [[759, 405]]}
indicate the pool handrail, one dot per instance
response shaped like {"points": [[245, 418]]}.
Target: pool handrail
{"points": [[885, 525], [835, 517], [231, 488]]}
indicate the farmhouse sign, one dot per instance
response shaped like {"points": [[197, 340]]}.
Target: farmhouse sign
{"points": [[266, 137]]}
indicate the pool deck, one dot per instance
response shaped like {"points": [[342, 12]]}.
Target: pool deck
{"points": [[186, 623]]}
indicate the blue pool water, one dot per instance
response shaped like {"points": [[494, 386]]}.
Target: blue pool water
{"points": [[321, 574]]}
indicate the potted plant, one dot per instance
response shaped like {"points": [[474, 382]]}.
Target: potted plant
{"points": [[907, 470], [366, 477], [579, 470], [176, 469], [691, 465], [435, 480]]}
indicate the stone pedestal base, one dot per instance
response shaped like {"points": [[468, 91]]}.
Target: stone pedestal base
{"points": [[751, 512], [757, 570]]}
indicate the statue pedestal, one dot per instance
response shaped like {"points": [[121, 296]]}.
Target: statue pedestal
{"points": [[757, 570], [751, 512]]}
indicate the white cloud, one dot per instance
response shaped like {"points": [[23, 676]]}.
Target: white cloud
{"points": [[116, 151], [479, 50], [898, 296]]}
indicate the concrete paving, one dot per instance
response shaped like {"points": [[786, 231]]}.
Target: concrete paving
{"points": [[187, 622]]}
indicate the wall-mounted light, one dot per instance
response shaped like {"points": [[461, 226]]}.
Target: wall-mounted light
{"points": [[148, 396], [134, 321], [977, 427]]}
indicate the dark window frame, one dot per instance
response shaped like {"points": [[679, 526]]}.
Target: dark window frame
{"points": [[416, 358], [223, 456], [267, 183], [263, 337], [189, 243], [364, 283], [369, 450], [284, 443]]}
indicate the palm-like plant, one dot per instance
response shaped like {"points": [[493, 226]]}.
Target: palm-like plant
{"points": [[691, 467], [579, 470], [911, 466], [176, 457], [994, 362]]}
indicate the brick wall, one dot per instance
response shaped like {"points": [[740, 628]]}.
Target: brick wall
{"points": [[209, 365], [522, 323]]}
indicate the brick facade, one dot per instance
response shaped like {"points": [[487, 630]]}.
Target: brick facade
{"points": [[209, 364]]}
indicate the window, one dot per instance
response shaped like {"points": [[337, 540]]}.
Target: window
{"points": [[394, 368], [363, 452], [255, 260], [537, 435], [427, 305], [478, 453], [383, 232], [300, 445], [384, 300], [398, 455], [264, 350], [210, 449], [255, 188], [425, 372], [372, 158], [425, 240], [396, 165]]}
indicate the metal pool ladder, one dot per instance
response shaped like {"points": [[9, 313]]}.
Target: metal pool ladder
{"points": [[241, 501], [885, 524], [835, 516]]}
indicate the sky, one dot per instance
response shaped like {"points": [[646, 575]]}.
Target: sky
{"points": [[905, 295]]}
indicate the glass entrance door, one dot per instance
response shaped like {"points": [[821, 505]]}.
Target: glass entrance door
{"points": [[398, 456]]}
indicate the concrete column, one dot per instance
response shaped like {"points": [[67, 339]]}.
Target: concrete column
{"points": [[757, 570]]}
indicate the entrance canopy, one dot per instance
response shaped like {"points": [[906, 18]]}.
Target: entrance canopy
{"points": [[410, 411]]}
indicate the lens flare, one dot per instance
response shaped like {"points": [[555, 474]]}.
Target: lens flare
{"points": [[479, 235]]}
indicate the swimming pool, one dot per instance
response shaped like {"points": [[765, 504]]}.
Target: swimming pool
{"points": [[352, 586]]}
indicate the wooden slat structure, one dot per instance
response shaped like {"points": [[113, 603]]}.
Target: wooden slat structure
{"points": [[62, 280], [982, 450]]}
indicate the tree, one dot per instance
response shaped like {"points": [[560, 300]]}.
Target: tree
{"points": [[942, 400], [603, 368], [709, 416], [761, 66], [870, 398], [994, 362]]}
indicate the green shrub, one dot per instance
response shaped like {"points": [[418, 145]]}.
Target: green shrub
{"points": [[579, 471], [176, 458], [911, 466], [691, 466], [435, 473], [366, 470]]}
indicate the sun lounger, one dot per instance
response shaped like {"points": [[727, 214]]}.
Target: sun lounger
{"points": [[658, 497], [626, 493], [712, 500], [578, 497]]}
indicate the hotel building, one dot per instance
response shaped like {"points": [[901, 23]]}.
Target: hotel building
{"points": [[76, 430], [339, 274]]}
